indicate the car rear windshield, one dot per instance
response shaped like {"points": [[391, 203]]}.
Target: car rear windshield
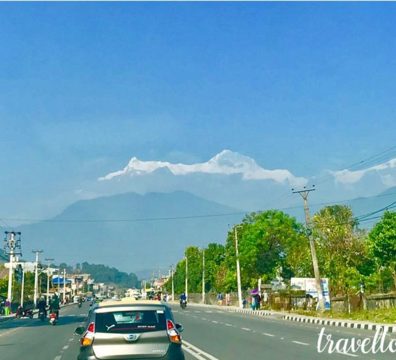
{"points": [[130, 321]]}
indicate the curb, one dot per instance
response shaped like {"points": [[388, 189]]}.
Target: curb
{"points": [[236, 309], [341, 323], [5, 318]]}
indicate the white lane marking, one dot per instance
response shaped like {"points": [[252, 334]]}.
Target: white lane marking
{"points": [[71, 339], [266, 334], [215, 322], [197, 352], [300, 343], [208, 311], [58, 357], [65, 347], [228, 324], [246, 329], [197, 356], [203, 318]]}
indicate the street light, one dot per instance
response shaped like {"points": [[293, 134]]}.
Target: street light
{"points": [[48, 276], [36, 274], [238, 267], [186, 285], [203, 276], [173, 285]]}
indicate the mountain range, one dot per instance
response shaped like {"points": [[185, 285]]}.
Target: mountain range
{"points": [[132, 232], [238, 181]]}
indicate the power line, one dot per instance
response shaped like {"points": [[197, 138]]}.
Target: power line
{"points": [[384, 154], [194, 216]]}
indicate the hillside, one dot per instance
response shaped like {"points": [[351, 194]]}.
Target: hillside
{"points": [[130, 231]]}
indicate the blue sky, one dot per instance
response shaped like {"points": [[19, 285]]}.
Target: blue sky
{"points": [[85, 86]]}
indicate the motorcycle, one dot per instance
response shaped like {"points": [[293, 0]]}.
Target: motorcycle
{"points": [[183, 304], [53, 318], [24, 313]]}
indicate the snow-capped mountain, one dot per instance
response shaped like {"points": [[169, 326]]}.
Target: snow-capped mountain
{"points": [[386, 172], [226, 162], [238, 181]]}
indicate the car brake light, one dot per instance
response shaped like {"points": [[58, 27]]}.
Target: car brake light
{"points": [[173, 334], [91, 327], [88, 337]]}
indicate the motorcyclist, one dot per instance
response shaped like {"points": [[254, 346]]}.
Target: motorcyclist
{"points": [[80, 301], [42, 306], [183, 299], [54, 305], [19, 312]]}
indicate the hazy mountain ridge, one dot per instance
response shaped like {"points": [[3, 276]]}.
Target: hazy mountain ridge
{"points": [[130, 231]]}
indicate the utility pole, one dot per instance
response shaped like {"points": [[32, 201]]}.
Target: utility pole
{"points": [[64, 286], [186, 285], [22, 285], [48, 277], [304, 194], [173, 285], [37, 252], [238, 268], [12, 247], [59, 272], [203, 276]]}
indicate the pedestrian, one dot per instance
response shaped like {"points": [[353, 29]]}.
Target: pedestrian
{"points": [[220, 299], [228, 299], [7, 307], [258, 301], [244, 303]]}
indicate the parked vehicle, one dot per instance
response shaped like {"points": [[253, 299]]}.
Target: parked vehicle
{"points": [[130, 329], [24, 313]]}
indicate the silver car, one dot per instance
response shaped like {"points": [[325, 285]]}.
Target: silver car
{"points": [[130, 329]]}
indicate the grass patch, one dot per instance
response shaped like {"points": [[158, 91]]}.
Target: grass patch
{"points": [[387, 316]]}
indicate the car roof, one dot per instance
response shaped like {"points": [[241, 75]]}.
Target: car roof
{"points": [[129, 301]]}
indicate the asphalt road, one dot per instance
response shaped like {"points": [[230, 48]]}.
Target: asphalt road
{"points": [[209, 334], [227, 335]]}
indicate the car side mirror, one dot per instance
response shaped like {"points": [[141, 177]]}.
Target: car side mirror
{"points": [[179, 327], [80, 330]]}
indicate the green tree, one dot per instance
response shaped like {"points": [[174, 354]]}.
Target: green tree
{"points": [[340, 247], [214, 258], [382, 242], [268, 241]]}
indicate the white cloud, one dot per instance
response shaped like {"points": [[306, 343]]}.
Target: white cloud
{"points": [[226, 162], [352, 177]]}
